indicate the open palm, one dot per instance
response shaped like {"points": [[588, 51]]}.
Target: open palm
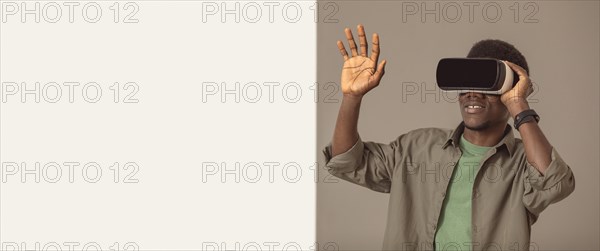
{"points": [[359, 74]]}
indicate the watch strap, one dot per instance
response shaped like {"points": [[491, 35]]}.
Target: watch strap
{"points": [[526, 116]]}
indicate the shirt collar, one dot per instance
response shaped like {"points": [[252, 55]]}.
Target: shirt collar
{"points": [[508, 141]]}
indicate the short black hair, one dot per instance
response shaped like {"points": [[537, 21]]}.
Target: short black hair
{"points": [[498, 49]]}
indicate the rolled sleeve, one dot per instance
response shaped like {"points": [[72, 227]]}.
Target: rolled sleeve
{"points": [[344, 162], [557, 183], [368, 164]]}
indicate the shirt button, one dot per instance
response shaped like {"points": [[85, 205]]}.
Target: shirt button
{"points": [[434, 226], [443, 194], [474, 229]]}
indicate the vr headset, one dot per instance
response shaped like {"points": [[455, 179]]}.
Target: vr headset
{"points": [[482, 75]]}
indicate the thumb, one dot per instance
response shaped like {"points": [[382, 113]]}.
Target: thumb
{"points": [[380, 70]]}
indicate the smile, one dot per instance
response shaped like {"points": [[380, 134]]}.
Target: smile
{"points": [[472, 109]]}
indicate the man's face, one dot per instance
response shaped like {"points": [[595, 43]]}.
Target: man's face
{"points": [[482, 111]]}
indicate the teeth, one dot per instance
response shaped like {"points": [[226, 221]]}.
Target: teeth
{"points": [[474, 106]]}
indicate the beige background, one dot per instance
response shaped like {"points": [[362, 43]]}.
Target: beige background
{"points": [[562, 50], [174, 134]]}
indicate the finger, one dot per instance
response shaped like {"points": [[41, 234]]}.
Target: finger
{"points": [[380, 71], [530, 89], [518, 69], [524, 85], [362, 38], [342, 49], [375, 51], [351, 42]]}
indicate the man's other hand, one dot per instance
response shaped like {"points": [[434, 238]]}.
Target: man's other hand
{"points": [[358, 74], [515, 99]]}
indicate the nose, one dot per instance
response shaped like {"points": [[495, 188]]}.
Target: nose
{"points": [[472, 95]]}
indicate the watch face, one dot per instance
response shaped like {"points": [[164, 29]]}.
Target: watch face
{"points": [[470, 74]]}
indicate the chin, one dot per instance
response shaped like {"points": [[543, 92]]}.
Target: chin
{"points": [[480, 126]]}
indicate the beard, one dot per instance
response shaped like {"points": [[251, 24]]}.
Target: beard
{"points": [[481, 127]]}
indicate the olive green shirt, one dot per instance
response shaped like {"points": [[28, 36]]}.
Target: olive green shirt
{"points": [[508, 193]]}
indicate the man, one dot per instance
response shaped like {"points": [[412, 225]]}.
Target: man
{"points": [[472, 188]]}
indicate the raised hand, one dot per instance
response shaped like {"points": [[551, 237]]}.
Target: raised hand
{"points": [[358, 74], [515, 99]]}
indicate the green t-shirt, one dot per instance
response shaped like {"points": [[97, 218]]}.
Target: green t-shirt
{"points": [[454, 225]]}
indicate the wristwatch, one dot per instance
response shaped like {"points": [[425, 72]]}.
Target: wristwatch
{"points": [[526, 116]]}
